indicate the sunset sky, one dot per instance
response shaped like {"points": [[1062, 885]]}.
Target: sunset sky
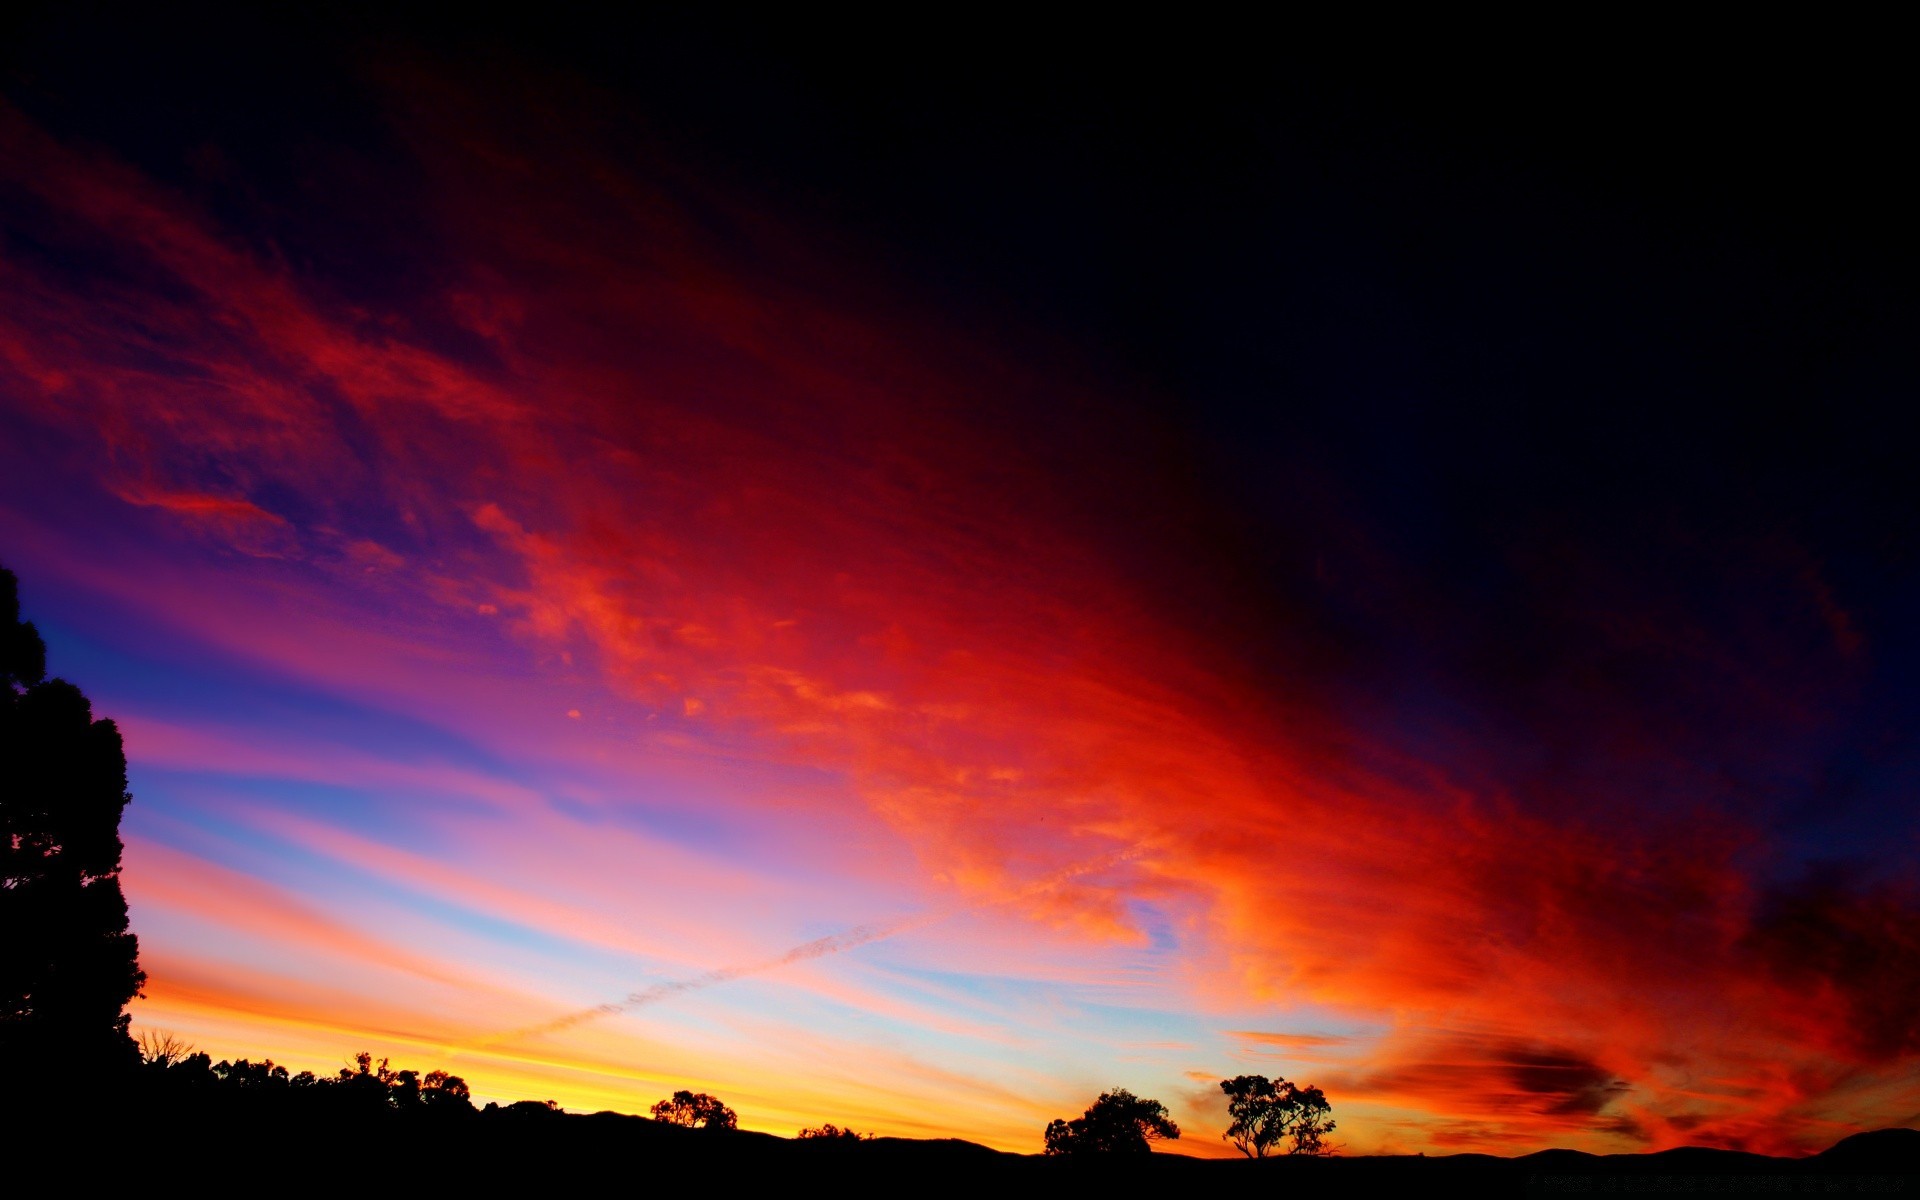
{"points": [[1011, 567]]}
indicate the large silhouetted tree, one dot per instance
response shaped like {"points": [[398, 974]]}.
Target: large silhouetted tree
{"points": [[695, 1110], [1119, 1122], [1269, 1113], [68, 965], [1313, 1124]]}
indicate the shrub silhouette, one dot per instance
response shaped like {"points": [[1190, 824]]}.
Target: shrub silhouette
{"points": [[695, 1110], [68, 964], [830, 1132], [1267, 1113], [1119, 1122]]}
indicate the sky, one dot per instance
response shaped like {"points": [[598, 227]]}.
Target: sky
{"points": [[909, 589]]}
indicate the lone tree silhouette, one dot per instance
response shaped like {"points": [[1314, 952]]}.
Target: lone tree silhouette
{"points": [[695, 1110], [68, 965], [1119, 1122], [1267, 1113]]}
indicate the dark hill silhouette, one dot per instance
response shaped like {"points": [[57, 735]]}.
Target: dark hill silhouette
{"points": [[257, 1130], [1880, 1150]]}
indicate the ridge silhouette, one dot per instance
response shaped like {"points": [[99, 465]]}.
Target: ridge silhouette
{"points": [[379, 1121]]}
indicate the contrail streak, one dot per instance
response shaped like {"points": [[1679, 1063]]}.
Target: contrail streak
{"points": [[859, 935]]}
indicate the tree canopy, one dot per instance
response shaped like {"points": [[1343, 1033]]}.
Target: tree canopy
{"points": [[695, 1110], [68, 964], [1119, 1122], [1270, 1113]]}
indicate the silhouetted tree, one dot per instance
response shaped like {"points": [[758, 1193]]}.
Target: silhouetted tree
{"points": [[830, 1132], [68, 965], [1267, 1113], [374, 1084], [366, 1083], [441, 1092], [695, 1110], [1313, 1124], [1119, 1122], [404, 1092], [251, 1075], [195, 1070], [160, 1050]]}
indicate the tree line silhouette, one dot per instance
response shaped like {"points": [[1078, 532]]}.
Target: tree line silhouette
{"points": [[1266, 1113], [171, 1068]]}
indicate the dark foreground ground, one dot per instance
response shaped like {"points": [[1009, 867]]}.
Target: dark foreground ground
{"points": [[234, 1147]]}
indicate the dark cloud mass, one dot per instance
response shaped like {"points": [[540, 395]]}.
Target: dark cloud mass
{"points": [[1856, 941]]}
